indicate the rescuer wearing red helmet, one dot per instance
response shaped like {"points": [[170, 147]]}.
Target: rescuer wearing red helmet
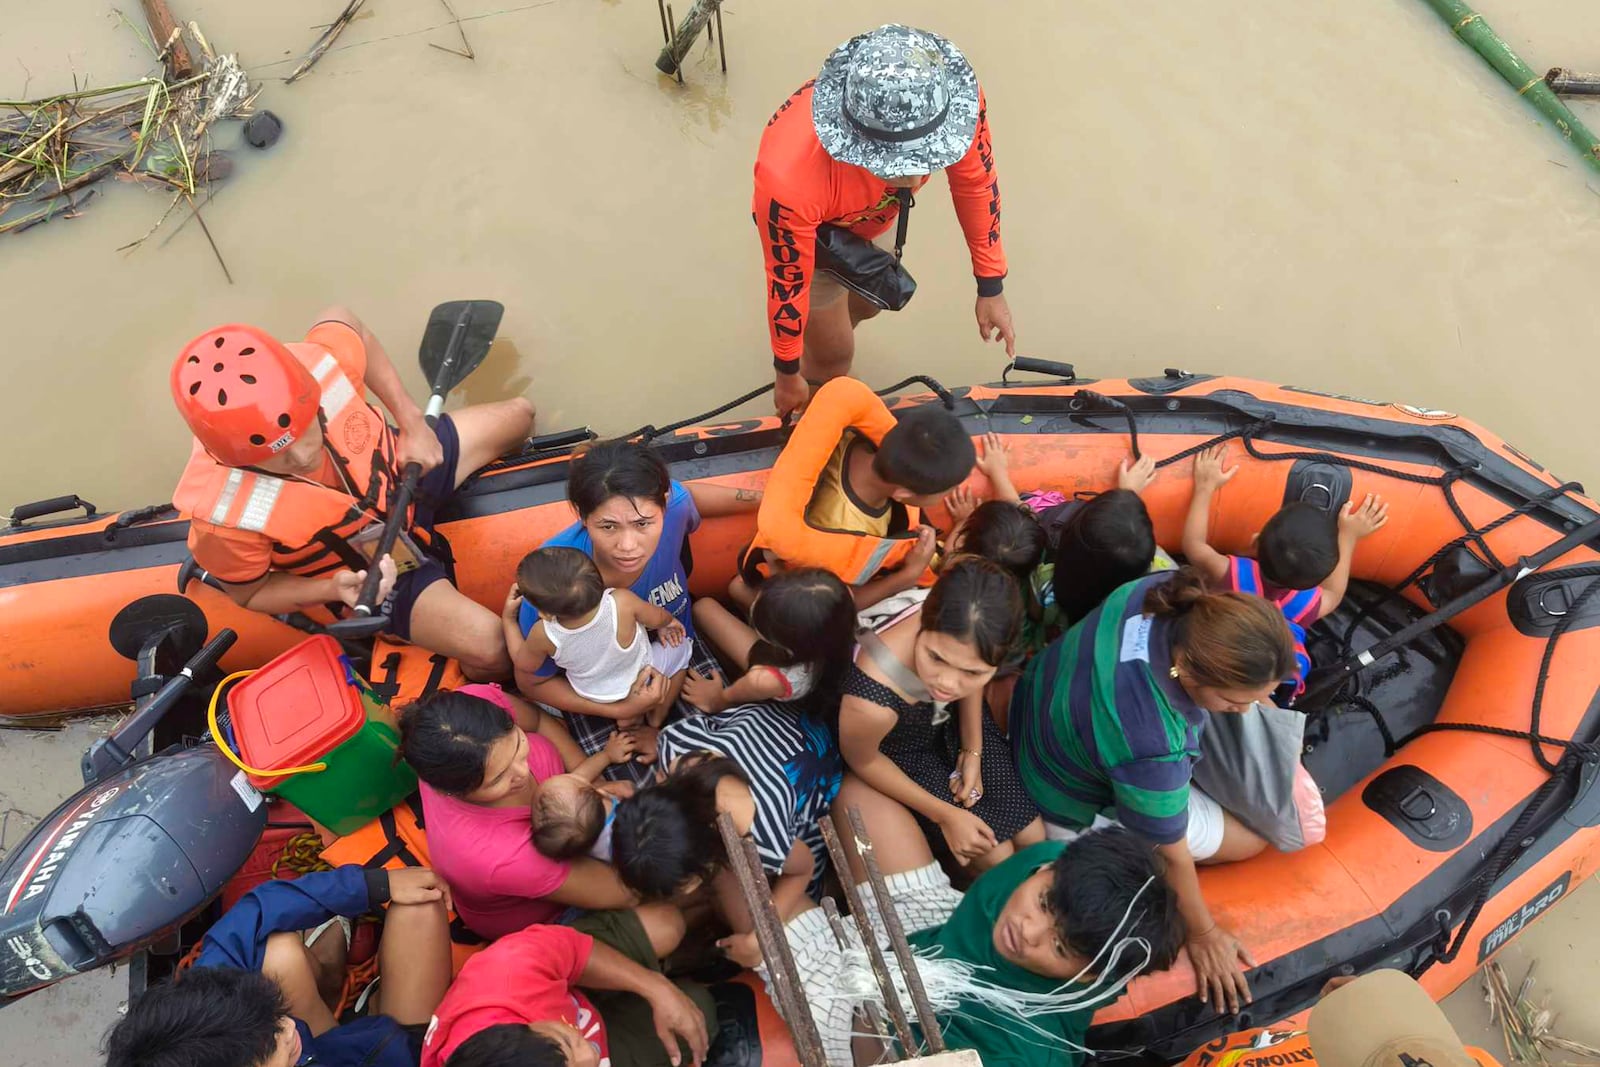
{"points": [[292, 469]]}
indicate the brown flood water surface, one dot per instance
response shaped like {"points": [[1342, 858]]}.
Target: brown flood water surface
{"points": [[1337, 196]]}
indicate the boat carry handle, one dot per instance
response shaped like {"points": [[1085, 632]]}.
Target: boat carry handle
{"points": [[1064, 371], [23, 513]]}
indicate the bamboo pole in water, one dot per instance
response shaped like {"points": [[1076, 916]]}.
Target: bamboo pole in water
{"points": [[1470, 26]]}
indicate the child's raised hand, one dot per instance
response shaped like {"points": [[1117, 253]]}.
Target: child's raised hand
{"points": [[1209, 473], [1366, 519], [513, 605], [621, 746], [922, 554], [672, 634], [1138, 476], [994, 459], [961, 502], [703, 691]]}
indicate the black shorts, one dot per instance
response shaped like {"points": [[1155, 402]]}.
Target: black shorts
{"points": [[433, 489]]}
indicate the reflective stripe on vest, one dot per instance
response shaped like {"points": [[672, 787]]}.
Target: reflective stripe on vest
{"points": [[301, 517]]}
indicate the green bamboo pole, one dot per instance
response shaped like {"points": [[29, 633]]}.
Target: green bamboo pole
{"points": [[1468, 25]]}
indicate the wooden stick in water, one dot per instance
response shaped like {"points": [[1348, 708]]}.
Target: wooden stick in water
{"points": [[180, 64], [782, 974], [1564, 82], [869, 938], [897, 936], [869, 1009], [325, 42]]}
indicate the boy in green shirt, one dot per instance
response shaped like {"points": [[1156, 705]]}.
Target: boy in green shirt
{"points": [[1047, 922]]}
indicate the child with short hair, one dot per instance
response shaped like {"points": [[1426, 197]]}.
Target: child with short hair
{"points": [[796, 647], [572, 815], [1303, 554], [595, 634], [845, 493], [1089, 547]]}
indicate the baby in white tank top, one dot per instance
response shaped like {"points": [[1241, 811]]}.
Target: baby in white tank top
{"points": [[597, 635]]}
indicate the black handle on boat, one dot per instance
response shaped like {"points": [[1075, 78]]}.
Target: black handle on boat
{"points": [[115, 750], [1326, 682], [1064, 371], [561, 439], [1090, 398], [40, 508]]}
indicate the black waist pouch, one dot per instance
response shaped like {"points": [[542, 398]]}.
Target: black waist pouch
{"points": [[875, 275]]}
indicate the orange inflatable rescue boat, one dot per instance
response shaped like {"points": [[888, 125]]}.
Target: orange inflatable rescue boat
{"points": [[1451, 719]]}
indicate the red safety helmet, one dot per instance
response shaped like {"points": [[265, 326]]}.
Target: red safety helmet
{"points": [[243, 394]]}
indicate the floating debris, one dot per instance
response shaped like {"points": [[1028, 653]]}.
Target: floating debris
{"points": [[1526, 1025], [154, 130]]}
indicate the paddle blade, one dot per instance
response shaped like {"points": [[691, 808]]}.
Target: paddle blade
{"points": [[457, 339]]}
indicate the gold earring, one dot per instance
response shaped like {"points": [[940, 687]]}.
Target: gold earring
{"points": [[1173, 671]]}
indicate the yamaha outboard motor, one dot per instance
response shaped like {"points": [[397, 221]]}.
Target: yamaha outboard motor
{"points": [[147, 842]]}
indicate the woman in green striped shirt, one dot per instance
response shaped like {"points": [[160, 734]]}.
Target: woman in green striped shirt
{"points": [[1106, 721]]}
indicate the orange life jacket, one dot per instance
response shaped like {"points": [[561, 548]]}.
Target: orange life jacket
{"points": [[394, 841], [1276, 1046], [402, 673], [310, 524], [781, 526]]}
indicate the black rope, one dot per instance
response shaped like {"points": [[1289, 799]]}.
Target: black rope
{"points": [[1573, 754], [1504, 854], [1090, 397], [1450, 474], [1256, 426], [648, 433], [1361, 703], [1347, 641], [945, 396], [1566, 623]]}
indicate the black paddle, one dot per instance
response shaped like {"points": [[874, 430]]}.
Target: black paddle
{"points": [[454, 344]]}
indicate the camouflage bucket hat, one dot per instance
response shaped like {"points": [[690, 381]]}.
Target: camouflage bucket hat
{"points": [[896, 101]]}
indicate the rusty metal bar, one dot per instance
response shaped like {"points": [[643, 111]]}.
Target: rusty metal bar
{"points": [[897, 936], [874, 1017], [782, 975], [869, 938]]}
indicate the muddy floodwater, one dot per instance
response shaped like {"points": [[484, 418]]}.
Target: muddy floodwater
{"points": [[1339, 196]]}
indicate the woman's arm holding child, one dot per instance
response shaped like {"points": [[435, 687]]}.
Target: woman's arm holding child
{"points": [[1209, 476], [1354, 524]]}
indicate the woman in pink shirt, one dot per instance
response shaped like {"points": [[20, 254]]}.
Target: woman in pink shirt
{"points": [[481, 755]]}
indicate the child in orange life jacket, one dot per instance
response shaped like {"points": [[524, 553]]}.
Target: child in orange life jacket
{"points": [[596, 635], [1303, 556], [845, 493], [572, 815]]}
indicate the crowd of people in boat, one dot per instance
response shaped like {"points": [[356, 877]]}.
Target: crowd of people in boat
{"points": [[1017, 704]]}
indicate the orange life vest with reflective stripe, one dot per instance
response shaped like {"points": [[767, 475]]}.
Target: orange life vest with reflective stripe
{"points": [[396, 840], [309, 524], [781, 527]]}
